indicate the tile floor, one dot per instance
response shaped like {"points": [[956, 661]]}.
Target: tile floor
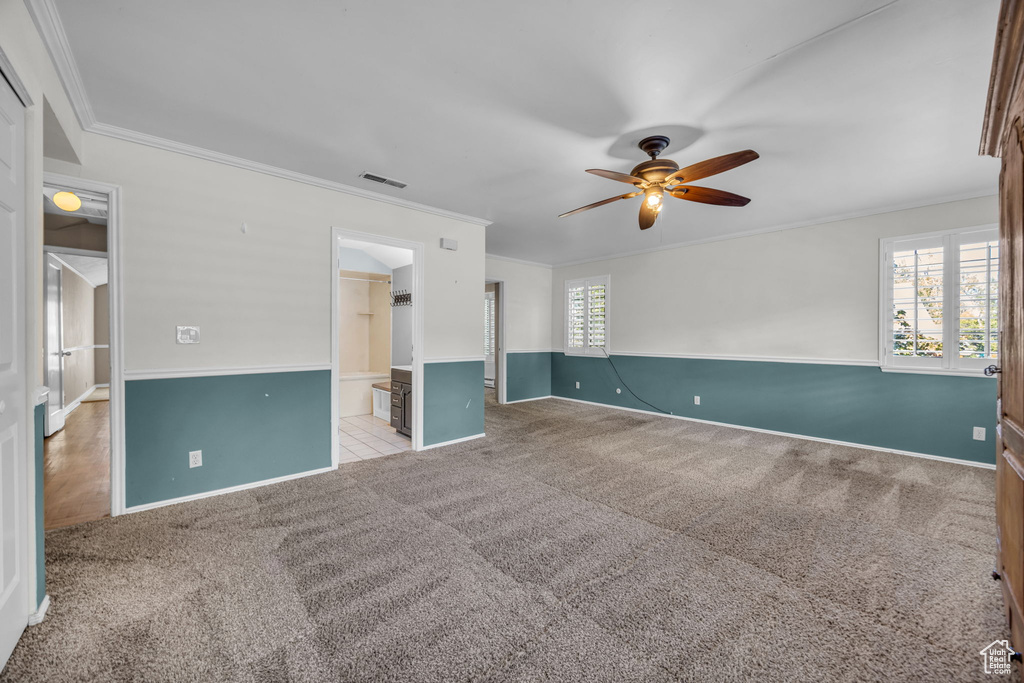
{"points": [[365, 436]]}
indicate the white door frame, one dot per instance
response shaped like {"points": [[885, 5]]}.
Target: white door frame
{"points": [[500, 357], [116, 293], [338, 234]]}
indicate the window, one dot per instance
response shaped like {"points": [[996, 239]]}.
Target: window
{"points": [[586, 315], [489, 325], [940, 310]]}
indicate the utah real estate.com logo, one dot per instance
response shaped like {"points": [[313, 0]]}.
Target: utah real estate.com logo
{"points": [[997, 657]]}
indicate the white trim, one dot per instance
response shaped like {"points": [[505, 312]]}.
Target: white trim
{"points": [[266, 169], [37, 617], [115, 293], [219, 372], [951, 372], [453, 441], [78, 401], [955, 461], [65, 264], [456, 359], [786, 226], [73, 252], [87, 348], [519, 260], [359, 378], [47, 20], [229, 489], [418, 333], [41, 395], [524, 400], [8, 73], [756, 359], [534, 350]]}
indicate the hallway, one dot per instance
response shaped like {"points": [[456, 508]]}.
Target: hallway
{"points": [[76, 463]]}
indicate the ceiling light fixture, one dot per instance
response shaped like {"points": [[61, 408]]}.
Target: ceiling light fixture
{"points": [[67, 201]]}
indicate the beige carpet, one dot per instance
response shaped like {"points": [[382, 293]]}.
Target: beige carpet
{"points": [[574, 543]]}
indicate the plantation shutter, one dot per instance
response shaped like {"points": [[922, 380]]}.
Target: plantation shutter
{"points": [[586, 315]]}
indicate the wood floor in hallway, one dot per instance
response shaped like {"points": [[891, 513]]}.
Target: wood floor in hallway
{"points": [[76, 468]]}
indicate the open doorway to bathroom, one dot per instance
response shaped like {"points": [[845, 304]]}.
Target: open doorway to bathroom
{"points": [[375, 349], [77, 368]]}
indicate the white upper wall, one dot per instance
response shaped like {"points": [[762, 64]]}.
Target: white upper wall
{"points": [[527, 301], [263, 297], [806, 293]]}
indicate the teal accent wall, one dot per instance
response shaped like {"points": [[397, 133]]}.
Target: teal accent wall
{"points": [[249, 428], [40, 427], [453, 401], [528, 375], [931, 414]]}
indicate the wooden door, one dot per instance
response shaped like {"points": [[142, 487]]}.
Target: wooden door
{"points": [[1004, 136], [14, 413]]}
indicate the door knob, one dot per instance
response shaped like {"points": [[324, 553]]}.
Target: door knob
{"points": [[992, 369], [68, 353]]}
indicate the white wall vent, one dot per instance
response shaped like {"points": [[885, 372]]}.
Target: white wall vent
{"points": [[382, 180]]}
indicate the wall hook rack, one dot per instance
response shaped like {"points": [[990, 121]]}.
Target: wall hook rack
{"points": [[401, 298]]}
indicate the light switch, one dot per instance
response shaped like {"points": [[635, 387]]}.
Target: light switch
{"points": [[188, 334]]}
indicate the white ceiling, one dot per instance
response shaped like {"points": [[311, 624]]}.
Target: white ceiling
{"points": [[92, 268], [494, 109]]}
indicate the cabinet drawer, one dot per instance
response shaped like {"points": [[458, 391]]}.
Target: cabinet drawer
{"points": [[396, 400], [396, 387], [396, 417]]}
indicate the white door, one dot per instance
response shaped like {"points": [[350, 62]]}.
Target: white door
{"points": [[14, 418], [53, 347]]}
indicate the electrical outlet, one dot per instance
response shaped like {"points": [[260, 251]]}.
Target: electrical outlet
{"points": [[979, 433], [195, 458], [577, 385], [696, 400]]}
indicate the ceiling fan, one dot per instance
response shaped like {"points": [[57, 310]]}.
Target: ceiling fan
{"points": [[656, 177]]}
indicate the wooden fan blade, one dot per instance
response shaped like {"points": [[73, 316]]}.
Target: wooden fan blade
{"points": [[615, 175], [707, 195], [600, 203], [647, 216], [711, 167]]}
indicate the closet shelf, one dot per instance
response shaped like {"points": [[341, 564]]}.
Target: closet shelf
{"points": [[364, 313]]}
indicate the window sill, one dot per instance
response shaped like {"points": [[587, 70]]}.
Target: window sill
{"points": [[970, 372]]}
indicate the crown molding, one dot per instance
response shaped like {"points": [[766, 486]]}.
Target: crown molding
{"points": [[47, 20], [51, 30], [148, 140]]}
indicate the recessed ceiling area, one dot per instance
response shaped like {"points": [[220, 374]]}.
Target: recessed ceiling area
{"points": [[495, 109]]}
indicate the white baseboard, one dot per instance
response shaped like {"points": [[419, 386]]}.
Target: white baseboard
{"points": [[78, 401], [230, 489], [40, 614], [536, 398], [927, 456], [449, 443]]}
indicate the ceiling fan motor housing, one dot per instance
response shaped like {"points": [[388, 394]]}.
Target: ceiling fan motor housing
{"points": [[655, 170]]}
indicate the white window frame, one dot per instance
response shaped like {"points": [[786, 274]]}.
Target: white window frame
{"points": [[587, 350], [950, 363]]}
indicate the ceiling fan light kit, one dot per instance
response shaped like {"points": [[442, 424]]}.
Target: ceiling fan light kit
{"points": [[656, 177]]}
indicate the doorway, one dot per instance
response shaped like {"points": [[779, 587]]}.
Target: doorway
{"points": [[494, 340], [375, 362], [77, 365]]}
